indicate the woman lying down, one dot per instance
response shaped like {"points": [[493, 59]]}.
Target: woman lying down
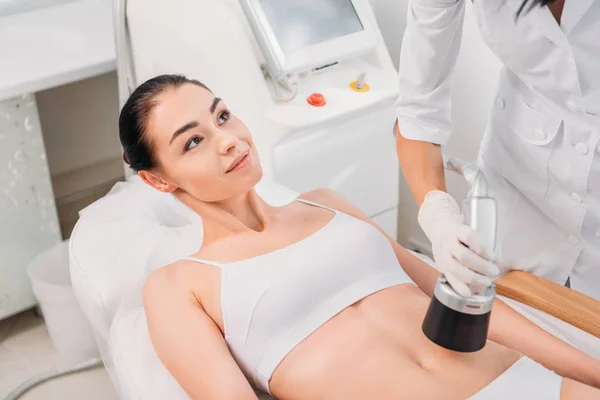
{"points": [[310, 300]]}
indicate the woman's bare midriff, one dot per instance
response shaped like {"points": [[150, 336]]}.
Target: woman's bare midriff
{"points": [[375, 350]]}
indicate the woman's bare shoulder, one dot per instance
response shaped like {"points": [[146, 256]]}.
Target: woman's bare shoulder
{"points": [[166, 278], [181, 278], [331, 198]]}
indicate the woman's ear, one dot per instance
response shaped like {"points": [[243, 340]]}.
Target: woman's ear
{"points": [[157, 182]]}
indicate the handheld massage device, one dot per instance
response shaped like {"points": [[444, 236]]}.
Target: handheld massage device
{"points": [[452, 321]]}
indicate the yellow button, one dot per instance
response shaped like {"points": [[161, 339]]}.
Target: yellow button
{"points": [[365, 87]]}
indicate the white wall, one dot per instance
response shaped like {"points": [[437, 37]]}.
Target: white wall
{"points": [[391, 17], [473, 91], [79, 123]]}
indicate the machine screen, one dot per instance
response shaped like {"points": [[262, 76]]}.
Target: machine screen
{"points": [[301, 23]]}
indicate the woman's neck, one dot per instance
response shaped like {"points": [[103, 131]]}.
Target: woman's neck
{"points": [[244, 213]]}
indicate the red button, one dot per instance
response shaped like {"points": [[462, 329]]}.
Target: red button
{"points": [[316, 99]]}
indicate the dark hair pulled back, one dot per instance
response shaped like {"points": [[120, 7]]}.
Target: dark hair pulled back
{"points": [[133, 120]]}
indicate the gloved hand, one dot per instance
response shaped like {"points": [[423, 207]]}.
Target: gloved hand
{"points": [[458, 250]]}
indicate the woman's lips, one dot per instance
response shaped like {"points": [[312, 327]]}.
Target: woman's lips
{"points": [[240, 163]]}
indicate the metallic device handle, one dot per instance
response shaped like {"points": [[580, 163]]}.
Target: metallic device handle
{"points": [[478, 208], [470, 172]]}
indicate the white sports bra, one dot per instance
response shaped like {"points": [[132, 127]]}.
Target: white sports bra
{"points": [[272, 302]]}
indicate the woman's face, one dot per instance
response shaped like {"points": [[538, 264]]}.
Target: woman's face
{"points": [[200, 146]]}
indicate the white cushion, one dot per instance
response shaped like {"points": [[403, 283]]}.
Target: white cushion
{"points": [[139, 372], [116, 243]]}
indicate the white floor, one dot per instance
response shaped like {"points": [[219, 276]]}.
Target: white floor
{"points": [[26, 350]]}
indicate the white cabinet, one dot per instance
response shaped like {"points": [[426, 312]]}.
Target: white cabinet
{"points": [[54, 43], [28, 219], [356, 158]]}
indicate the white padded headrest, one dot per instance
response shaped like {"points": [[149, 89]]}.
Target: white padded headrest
{"points": [[120, 238]]}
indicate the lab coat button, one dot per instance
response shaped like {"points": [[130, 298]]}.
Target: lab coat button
{"points": [[500, 103], [540, 134], [582, 148], [573, 240], [576, 197], [572, 106]]}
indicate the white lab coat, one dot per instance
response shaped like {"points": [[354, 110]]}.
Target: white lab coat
{"points": [[541, 150]]}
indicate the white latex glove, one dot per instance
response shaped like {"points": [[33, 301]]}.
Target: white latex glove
{"points": [[469, 269]]}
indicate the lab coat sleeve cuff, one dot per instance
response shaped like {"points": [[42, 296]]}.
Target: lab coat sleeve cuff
{"points": [[413, 129]]}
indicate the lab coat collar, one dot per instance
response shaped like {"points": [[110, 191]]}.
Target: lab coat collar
{"points": [[542, 19], [573, 12]]}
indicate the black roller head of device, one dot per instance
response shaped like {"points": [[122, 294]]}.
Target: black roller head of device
{"points": [[455, 330], [458, 323]]}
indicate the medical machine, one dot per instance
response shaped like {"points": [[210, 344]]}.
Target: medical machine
{"points": [[312, 80], [452, 321], [297, 36]]}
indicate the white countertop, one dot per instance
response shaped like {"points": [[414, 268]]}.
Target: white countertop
{"points": [[55, 45]]}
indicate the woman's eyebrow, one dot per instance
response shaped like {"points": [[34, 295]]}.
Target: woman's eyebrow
{"points": [[193, 124], [214, 104], [184, 128]]}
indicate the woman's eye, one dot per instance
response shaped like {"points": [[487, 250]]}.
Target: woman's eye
{"points": [[193, 142], [223, 117]]}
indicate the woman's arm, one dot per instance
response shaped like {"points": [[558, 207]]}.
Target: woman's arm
{"points": [[430, 48], [507, 327], [429, 51], [188, 342], [542, 294], [511, 329]]}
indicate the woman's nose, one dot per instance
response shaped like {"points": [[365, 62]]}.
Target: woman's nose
{"points": [[226, 141]]}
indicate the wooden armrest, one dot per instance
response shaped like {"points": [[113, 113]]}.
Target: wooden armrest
{"points": [[559, 301]]}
